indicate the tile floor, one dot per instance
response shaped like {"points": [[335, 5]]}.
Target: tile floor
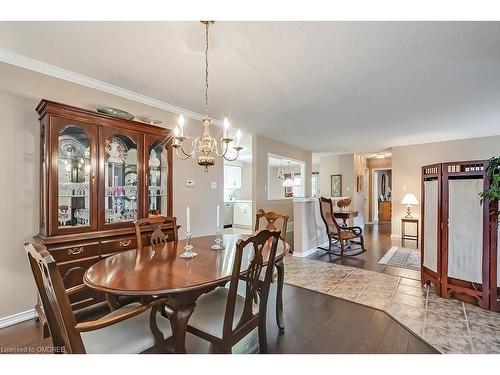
{"points": [[451, 326]]}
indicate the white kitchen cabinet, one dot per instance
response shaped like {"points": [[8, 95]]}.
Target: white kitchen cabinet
{"points": [[242, 215], [232, 177], [228, 213]]}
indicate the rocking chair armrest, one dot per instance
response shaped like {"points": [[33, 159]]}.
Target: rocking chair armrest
{"points": [[356, 230], [108, 321]]}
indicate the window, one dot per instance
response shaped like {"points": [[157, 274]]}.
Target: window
{"points": [[314, 184]]}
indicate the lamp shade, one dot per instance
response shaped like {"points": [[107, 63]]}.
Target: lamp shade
{"points": [[288, 182], [409, 199]]}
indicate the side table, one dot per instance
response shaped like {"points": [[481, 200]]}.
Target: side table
{"points": [[404, 235]]}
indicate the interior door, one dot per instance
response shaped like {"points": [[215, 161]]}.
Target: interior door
{"points": [[120, 177]]}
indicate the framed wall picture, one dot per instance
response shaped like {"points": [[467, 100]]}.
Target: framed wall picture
{"points": [[336, 185]]}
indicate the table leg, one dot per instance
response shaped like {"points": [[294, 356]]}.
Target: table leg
{"points": [[280, 268], [179, 318], [179, 310]]}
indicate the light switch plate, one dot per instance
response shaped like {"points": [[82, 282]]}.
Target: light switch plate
{"points": [[213, 185], [190, 183]]}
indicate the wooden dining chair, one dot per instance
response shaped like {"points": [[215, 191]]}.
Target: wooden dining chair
{"points": [[223, 317], [271, 218], [157, 223], [130, 329], [348, 239]]}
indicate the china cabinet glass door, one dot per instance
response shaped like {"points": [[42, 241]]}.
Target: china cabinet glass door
{"points": [[157, 172], [121, 156], [75, 154]]}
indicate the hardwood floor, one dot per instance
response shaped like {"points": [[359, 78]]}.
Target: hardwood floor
{"points": [[315, 323], [377, 242]]}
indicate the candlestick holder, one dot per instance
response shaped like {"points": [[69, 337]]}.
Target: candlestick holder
{"points": [[188, 253], [218, 241]]}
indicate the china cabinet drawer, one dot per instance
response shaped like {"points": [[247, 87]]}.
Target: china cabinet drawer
{"points": [[75, 251], [72, 272], [116, 245]]}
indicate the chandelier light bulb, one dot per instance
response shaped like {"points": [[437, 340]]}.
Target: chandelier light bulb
{"points": [[226, 128], [181, 124], [238, 138]]}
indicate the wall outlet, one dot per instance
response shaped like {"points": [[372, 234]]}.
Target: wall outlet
{"points": [[190, 183], [213, 185]]}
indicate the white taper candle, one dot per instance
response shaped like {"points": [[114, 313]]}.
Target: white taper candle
{"points": [[218, 216], [188, 219]]}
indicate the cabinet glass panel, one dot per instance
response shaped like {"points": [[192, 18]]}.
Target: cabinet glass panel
{"points": [[74, 171], [120, 179], [157, 179]]}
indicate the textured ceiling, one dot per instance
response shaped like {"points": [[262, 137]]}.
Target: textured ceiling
{"points": [[322, 86]]}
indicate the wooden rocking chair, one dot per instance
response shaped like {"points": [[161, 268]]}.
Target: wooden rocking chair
{"points": [[343, 238]]}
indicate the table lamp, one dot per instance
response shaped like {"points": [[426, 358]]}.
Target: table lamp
{"points": [[409, 199]]}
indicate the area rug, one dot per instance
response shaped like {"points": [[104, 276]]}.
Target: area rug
{"points": [[402, 257]]}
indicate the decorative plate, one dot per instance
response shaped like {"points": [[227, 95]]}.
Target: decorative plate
{"points": [[70, 148], [115, 112], [115, 150], [150, 121]]}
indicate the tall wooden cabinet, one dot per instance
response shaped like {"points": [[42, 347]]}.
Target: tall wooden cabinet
{"points": [[459, 235], [97, 175]]}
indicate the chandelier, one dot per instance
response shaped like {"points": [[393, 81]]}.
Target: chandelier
{"points": [[206, 146]]}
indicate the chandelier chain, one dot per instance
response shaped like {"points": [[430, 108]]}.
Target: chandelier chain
{"points": [[206, 69]]}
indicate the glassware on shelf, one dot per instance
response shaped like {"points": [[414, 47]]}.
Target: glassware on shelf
{"points": [[63, 215], [74, 169], [120, 179], [157, 178]]}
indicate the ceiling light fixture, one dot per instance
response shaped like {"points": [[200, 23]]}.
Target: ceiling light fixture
{"points": [[288, 181], [206, 146], [380, 155]]}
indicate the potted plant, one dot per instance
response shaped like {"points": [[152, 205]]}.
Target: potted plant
{"points": [[493, 192]]}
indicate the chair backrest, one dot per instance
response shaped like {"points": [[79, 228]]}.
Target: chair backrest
{"points": [[157, 223], [271, 218], [256, 289], [55, 301], [326, 210]]}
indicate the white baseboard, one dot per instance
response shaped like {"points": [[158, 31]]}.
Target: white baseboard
{"points": [[17, 318], [308, 251]]}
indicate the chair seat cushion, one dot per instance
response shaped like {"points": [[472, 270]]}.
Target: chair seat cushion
{"points": [[208, 315], [129, 336]]}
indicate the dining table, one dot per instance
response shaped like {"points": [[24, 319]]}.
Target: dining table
{"points": [[160, 272]]}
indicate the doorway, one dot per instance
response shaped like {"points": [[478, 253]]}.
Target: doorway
{"points": [[381, 196]]}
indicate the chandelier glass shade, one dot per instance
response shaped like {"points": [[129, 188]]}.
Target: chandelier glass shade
{"points": [[206, 147]]}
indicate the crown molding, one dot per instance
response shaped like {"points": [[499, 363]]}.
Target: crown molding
{"points": [[38, 66]]}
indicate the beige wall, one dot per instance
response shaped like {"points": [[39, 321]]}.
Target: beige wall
{"points": [[408, 160], [261, 147], [246, 182], [20, 92], [336, 164], [349, 166]]}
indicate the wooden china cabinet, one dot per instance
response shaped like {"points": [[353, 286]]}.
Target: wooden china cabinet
{"points": [[98, 174]]}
